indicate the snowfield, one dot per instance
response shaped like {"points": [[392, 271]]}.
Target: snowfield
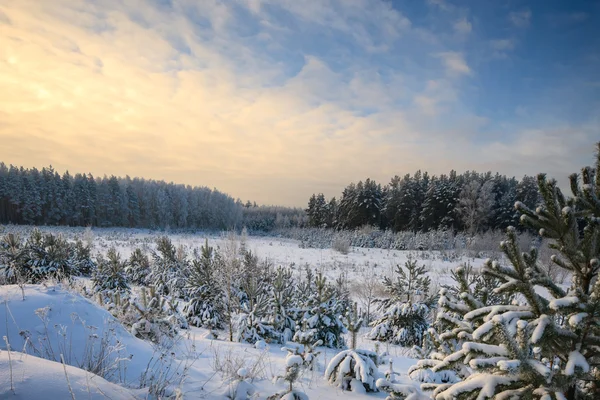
{"points": [[52, 321]]}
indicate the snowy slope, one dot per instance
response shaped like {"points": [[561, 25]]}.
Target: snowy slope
{"points": [[34, 378], [52, 321]]}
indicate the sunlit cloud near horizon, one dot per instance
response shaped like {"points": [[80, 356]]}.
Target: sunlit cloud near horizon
{"points": [[275, 100]]}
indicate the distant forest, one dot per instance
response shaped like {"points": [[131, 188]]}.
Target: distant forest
{"points": [[44, 197], [471, 202]]}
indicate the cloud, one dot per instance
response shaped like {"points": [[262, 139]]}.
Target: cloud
{"points": [[455, 63], [520, 19], [502, 47], [463, 26]]}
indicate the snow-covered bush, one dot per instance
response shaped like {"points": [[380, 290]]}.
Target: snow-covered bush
{"points": [[354, 370], [294, 364], [12, 259], [239, 388], [157, 318], [47, 255]]}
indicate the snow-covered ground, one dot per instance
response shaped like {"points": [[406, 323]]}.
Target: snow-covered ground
{"points": [[277, 250], [51, 321]]}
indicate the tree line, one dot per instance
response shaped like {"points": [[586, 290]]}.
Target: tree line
{"points": [[44, 197], [471, 202]]}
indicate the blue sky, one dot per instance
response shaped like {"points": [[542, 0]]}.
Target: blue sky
{"points": [[274, 100]]}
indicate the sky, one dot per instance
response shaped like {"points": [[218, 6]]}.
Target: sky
{"points": [[273, 100]]}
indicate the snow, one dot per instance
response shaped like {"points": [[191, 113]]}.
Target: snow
{"points": [[35, 378], [575, 319], [543, 322], [75, 324], [576, 361], [486, 382], [52, 321], [568, 301]]}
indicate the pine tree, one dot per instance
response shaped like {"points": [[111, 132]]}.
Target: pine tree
{"points": [[281, 312], [81, 258], [137, 268], [320, 319], [12, 259], [167, 271], [109, 277], [353, 322], [405, 311], [254, 324], [294, 364], [547, 347], [204, 307], [449, 331]]}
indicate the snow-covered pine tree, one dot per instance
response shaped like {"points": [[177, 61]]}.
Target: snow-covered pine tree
{"points": [[547, 347], [405, 311], [109, 276], [321, 316], [81, 258], [137, 267], [158, 316], [48, 255], [353, 322], [167, 271], [470, 291], [255, 292], [12, 259], [280, 313], [204, 307]]}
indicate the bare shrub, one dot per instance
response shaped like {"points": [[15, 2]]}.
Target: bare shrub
{"points": [[229, 360], [341, 245]]}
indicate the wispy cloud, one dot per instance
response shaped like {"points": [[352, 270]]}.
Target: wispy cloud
{"points": [[521, 18], [502, 47], [463, 26], [455, 63]]}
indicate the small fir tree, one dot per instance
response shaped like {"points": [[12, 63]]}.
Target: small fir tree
{"points": [[321, 316], [405, 311], [204, 307]]}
